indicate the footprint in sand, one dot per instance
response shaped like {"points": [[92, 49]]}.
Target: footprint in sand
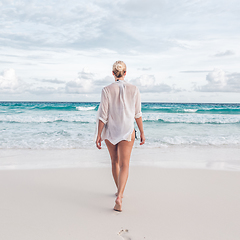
{"points": [[124, 234]]}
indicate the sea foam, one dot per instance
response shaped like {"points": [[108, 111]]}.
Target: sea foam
{"points": [[85, 108]]}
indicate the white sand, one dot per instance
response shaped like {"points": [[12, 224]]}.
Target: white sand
{"points": [[168, 204]]}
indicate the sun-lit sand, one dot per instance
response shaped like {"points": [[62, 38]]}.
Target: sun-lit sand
{"points": [[159, 203]]}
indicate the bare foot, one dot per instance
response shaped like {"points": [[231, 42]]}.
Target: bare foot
{"points": [[116, 194], [118, 205]]}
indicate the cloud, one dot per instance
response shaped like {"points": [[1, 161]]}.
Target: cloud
{"points": [[145, 69], [85, 83], [103, 82], [224, 54], [201, 71], [81, 85], [53, 81], [50, 24], [147, 83], [220, 81], [9, 82], [6, 62], [142, 26], [45, 90]]}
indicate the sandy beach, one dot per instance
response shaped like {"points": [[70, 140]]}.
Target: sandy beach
{"points": [[73, 73], [159, 203]]}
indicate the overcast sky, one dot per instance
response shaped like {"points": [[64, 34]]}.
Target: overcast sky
{"points": [[175, 51]]}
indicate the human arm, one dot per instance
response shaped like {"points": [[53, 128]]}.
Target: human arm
{"points": [[99, 139], [138, 116], [140, 127], [102, 117]]}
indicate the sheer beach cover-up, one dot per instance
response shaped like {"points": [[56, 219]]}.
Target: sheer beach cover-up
{"points": [[120, 105]]}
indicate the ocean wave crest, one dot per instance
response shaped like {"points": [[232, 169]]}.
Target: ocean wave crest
{"points": [[85, 108], [192, 108], [46, 119], [48, 106], [191, 119]]}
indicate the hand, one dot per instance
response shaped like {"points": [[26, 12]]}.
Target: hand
{"points": [[142, 137], [98, 142]]}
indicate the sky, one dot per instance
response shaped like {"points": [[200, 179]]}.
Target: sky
{"points": [[175, 51]]}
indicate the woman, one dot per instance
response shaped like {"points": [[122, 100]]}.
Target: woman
{"points": [[120, 105]]}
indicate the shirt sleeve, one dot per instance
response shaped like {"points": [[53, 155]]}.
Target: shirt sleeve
{"points": [[138, 112], [103, 107]]}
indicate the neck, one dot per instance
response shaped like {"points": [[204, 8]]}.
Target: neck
{"points": [[121, 78]]}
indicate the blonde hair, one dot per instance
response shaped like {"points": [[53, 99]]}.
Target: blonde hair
{"points": [[119, 68]]}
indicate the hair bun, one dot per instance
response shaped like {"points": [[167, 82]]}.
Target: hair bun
{"points": [[119, 67]]}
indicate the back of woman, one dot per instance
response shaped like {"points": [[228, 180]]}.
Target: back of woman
{"points": [[120, 105]]}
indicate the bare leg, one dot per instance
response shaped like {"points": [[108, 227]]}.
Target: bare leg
{"points": [[113, 151], [124, 150]]}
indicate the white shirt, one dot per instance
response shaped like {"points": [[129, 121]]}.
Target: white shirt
{"points": [[120, 105]]}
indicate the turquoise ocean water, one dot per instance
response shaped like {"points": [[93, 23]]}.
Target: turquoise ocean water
{"points": [[65, 125]]}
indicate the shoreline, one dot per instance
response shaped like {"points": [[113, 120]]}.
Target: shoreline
{"points": [[215, 158]]}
